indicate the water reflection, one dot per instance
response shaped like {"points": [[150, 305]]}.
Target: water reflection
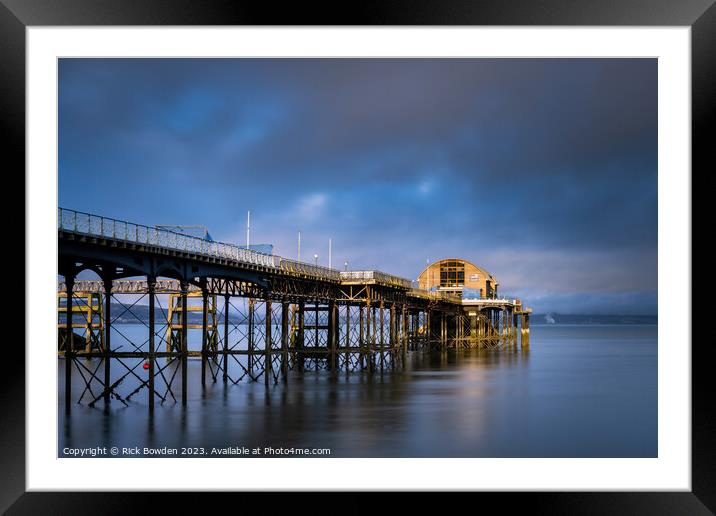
{"points": [[555, 400]]}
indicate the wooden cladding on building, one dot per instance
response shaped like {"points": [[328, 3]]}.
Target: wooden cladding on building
{"points": [[458, 275]]}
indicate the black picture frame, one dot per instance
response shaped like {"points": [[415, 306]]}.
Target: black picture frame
{"points": [[700, 15]]}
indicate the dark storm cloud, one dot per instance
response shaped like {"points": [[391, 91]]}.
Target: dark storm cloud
{"points": [[398, 160]]}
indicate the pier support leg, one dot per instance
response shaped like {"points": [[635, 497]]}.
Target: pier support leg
{"points": [[392, 345], [404, 333], [361, 336], [69, 343], [373, 338], [225, 374], [284, 340], [488, 327], [184, 290], [347, 343], [301, 334], [250, 337], [316, 332], [525, 330], [506, 326], [382, 329], [268, 369], [108, 333], [332, 334], [417, 336], [513, 331], [204, 333], [485, 326], [480, 329], [151, 286]]}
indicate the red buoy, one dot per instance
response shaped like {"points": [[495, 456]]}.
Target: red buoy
{"points": [[146, 365]]}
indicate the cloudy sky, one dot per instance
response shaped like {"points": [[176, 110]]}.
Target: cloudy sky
{"points": [[543, 171]]}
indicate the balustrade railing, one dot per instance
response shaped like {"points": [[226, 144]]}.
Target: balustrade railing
{"points": [[377, 276], [296, 267], [105, 227]]}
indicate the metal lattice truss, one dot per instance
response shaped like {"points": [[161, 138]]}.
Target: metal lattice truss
{"points": [[238, 315], [117, 371], [238, 338]]}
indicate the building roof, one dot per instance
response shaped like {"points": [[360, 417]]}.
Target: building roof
{"points": [[485, 272]]}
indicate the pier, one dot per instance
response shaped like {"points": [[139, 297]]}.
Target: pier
{"points": [[260, 316]]}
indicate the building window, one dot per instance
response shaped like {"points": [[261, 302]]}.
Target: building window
{"points": [[452, 273]]}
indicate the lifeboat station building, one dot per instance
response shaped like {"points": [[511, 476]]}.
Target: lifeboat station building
{"points": [[458, 278], [485, 317]]}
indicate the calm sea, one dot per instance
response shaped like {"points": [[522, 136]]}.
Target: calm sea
{"points": [[580, 391]]}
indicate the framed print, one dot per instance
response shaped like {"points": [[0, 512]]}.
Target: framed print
{"points": [[443, 248]]}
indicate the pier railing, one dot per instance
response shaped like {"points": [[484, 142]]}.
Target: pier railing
{"points": [[295, 267], [126, 286], [95, 225], [375, 276], [105, 227], [432, 294]]}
